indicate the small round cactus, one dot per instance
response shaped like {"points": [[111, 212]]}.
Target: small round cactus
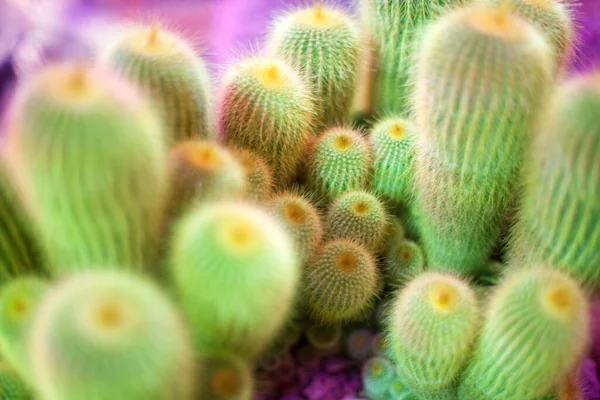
{"points": [[325, 338], [259, 178], [12, 387], [403, 259], [531, 311], [324, 43], [432, 328], [224, 377], [110, 335], [166, 66], [264, 106], [92, 160], [341, 282], [339, 161], [246, 265], [358, 344], [377, 375]]}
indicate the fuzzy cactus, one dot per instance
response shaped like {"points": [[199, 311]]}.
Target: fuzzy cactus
{"points": [[19, 300], [475, 112], [103, 335], [531, 311], [377, 376], [224, 377], [242, 256], [12, 387], [166, 66], [265, 106], [358, 344], [403, 259], [91, 158], [393, 142], [559, 222], [259, 178], [341, 282], [301, 219], [325, 338], [324, 43], [339, 161], [432, 327], [358, 216]]}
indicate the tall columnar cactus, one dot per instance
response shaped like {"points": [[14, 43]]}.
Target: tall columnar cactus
{"points": [[259, 178], [324, 43], [168, 68], [103, 335], [339, 161], [432, 328], [393, 141], [224, 377], [341, 283], [19, 300], [301, 219], [404, 258], [246, 265], [265, 106], [359, 216], [475, 112], [12, 387], [92, 157], [559, 220], [531, 311]]}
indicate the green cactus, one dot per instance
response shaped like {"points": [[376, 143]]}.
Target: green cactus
{"points": [[393, 142], [259, 177], [398, 390], [559, 222], [377, 376], [167, 67], [12, 386], [403, 259], [476, 113], [531, 311], [224, 377], [264, 106], [101, 335], [324, 43], [359, 216], [19, 300], [92, 159], [339, 161], [341, 282], [325, 338], [242, 256], [432, 327]]}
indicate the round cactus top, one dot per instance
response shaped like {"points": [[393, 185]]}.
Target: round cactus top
{"points": [[497, 22], [320, 16], [295, 212], [226, 382], [347, 261], [442, 296], [153, 40], [240, 233], [397, 130], [203, 155], [560, 299], [540, 3]]}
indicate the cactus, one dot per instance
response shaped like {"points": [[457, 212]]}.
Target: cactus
{"points": [[91, 157], [12, 386], [531, 311], [264, 106], [393, 141], [398, 390], [559, 222], [166, 66], [103, 335], [224, 377], [241, 256], [19, 300], [325, 338], [404, 258], [339, 161], [358, 216], [341, 283], [476, 126], [258, 175], [358, 344], [432, 328], [301, 219], [324, 44], [377, 376]]}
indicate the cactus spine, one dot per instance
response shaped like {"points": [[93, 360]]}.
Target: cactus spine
{"points": [[531, 311], [92, 160], [476, 114], [224, 377], [168, 69], [325, 45], [559, 222]]}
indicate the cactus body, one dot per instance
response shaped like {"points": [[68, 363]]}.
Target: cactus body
{"points": [[377, 374], [224, 377], [259, 178], [12, 386], [531, 311], [325, 45], [92, 161], [559, 222], [103, 335], [339, 161], [164, 65], [325, 338], [404, 258], [358, 344], [265, 107], [243, 257], [431, 329], [476, 113], [341, 282]]}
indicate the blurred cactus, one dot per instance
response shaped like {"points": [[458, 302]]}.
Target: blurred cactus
{"points": [[247, 268], [12, 387], [358, 344], [476, 126], [530, 312], [264, 106], [91, 157], [224, 377], [377, 374], [403, 259], [324, 43], [168, 68], [325, 338], [259, 178]]}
